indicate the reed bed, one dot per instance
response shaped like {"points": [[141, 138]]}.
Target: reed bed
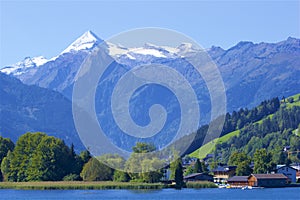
{"points": [[200, 184], [79, 185]]}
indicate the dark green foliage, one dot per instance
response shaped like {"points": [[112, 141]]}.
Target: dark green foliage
{"points": [[85, 156], [189, 170], [94, 170], [120, 176], [236, 158], [242, 161], [152, 176], [237, 120], [204, 167], [198, 167], [72, 177], [273, 134], [6, 145], [143, 167], [177, 173], [51, 161], [243, 168], [5, 166], [141, 147], [23, 159], [38, 157], [262, 161]]}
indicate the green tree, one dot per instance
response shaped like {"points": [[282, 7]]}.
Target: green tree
{"points": [[94, 170], [198, 167], [262, 161], [151, 170], [237, 157], [22, 155], [213, 164], [177, 173], [5, 145], [142, 165], [38, 157], [51, 161], [5, 167], [243, 168], [204, 167], [121, 176], [85, 156], [142, 147], [189, 170]]}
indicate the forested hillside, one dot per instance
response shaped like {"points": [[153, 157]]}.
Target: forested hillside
{"points": [[274, 132]]}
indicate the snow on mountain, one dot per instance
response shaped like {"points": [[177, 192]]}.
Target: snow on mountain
{"points": [[251, 74], [24, 65], [85, 42], [137, 53], [39, 60]]}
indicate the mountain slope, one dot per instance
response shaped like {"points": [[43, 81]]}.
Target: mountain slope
{"points": [[57, 73], [251, 72], [26, 108], [211, 146], [255, 72]]}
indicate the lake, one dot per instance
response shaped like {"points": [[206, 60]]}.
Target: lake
{"points": [[265, 194]]}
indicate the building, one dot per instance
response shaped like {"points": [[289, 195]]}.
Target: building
{"points": [[289, 172], [223, 173], [297, 168], [198, 177], [238, 181], [267, 180], [208, 157]]}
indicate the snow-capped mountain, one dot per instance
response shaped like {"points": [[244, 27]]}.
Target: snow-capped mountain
{"points": [[251, 73], [24, 65], [246, 64], [86, 42], [148, 49]]}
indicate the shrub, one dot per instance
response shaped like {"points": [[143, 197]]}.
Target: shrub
{"points": [[72, 177]]}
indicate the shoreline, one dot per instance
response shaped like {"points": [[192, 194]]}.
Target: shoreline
{"points": [[96, 185], [78, 185], [105, 185]]}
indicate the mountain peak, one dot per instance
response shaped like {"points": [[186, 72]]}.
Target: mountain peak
{"points": [[84, 42]]}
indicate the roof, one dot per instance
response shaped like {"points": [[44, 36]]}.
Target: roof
{"points": [[224, 169], [287, 167], [238, 179], [194, 175], [296, 167], [269, 176]]}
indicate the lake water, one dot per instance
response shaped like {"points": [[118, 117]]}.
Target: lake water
{"points": [[265, 194]]}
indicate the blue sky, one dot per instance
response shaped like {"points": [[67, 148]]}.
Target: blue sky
{"points": [[36, 28]]}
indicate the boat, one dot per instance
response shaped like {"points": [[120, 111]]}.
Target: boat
{"points": [[247, 188]]}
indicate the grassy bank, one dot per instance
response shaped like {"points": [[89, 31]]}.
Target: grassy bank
{"points": [[79, 185], [201, 184]]}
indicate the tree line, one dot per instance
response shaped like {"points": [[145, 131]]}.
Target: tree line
{"points": [[236, 120], [272, 134], [39, 157]]}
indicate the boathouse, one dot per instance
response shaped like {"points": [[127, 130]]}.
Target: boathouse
{"points": [[267, 180]]}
